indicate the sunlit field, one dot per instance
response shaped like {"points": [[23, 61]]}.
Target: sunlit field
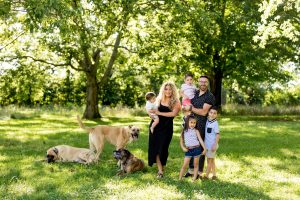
{"points": [[258, 158]]}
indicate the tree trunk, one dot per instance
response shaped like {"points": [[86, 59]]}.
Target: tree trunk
{"points": [[91, 109], [216, 86]]}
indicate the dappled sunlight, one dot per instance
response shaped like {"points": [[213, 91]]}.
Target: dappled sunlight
{"points": [[20, 188], [150, 191], [2, 157], [229, 169], [261, 171], [256, 159], [288, 152]]}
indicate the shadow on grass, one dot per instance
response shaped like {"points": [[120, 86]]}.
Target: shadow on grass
{"points": [[216, 189], [69, 180]]}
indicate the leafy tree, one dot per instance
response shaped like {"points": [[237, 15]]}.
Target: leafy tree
{"points": [[83, 35], [280, 25], [23, 85], [218, 41]]}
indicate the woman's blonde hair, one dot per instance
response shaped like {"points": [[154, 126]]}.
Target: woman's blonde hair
{"points": [[174, 97]]}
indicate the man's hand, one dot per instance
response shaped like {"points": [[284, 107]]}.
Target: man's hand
{"points": [[187, 107]]}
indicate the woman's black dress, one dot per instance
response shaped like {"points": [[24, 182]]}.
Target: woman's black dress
{"points": [[161, 137]]}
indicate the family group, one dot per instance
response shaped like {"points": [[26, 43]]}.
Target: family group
{"points": [[200, 130]]}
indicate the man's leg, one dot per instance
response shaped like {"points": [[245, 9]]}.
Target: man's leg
{"points": [[202, 157], [201, 164]]}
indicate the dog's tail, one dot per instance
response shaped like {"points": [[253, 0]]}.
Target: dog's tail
{"points": [[82, 125]]}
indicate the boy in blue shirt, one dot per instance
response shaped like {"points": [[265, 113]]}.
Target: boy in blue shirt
{"points": [[212, 137]]}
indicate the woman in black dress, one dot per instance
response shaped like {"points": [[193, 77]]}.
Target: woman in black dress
{"points": [[159, 141]]}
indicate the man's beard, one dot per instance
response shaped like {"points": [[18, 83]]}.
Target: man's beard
{"points": [[203, 87]]}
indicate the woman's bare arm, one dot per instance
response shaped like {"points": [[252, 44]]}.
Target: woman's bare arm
{"points": [[173, 113]]}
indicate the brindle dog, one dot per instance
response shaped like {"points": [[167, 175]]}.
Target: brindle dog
{"points": [[129, 163]]}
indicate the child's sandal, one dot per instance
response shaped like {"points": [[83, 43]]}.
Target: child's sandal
{"points": [[159, 175]]}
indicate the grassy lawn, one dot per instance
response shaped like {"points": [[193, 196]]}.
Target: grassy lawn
{"points": [[258, 158]]}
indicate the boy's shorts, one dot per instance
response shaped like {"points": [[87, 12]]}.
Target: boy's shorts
{"points": [[211, 154], [186, 102], [195, 152]]}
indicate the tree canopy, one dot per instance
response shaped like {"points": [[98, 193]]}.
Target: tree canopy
{"points": [[112, 52]]}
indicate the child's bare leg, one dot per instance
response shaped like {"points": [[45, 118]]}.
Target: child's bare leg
{"points": [[196, 166], [154, 124], [186, 162], [213, 168], [209, 167]]}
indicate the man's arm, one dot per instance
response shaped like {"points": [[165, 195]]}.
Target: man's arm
{"points": [[201, 111]]}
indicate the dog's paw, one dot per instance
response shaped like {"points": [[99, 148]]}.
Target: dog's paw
{"points": [[120, 173]]}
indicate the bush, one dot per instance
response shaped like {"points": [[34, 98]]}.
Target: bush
{"points": [[234, 109]]}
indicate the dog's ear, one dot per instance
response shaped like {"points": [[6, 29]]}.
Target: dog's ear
{"points": [[126, 152], [130, 126], [55, 150]]}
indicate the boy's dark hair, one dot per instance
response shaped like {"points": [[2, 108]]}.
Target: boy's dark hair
{"points": [[149, 95], [214, 108], [189, 74], [204, 76]]}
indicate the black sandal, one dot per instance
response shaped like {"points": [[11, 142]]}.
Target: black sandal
{"points": [[159, 175]]}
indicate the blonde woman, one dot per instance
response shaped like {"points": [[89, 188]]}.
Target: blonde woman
{"points": [[168, 107]]}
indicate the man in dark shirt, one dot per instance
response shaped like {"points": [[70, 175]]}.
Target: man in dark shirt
{"points": [[201, 103]]}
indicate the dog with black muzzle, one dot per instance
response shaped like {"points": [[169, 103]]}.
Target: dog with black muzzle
{"points": [[128, 162], [119, 136], [65, 153]]}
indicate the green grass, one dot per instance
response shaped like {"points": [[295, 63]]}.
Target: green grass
{"points": [[258, 158]]}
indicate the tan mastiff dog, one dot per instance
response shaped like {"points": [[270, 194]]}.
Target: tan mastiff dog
{"points": [[65, 153], [119, 136], [129, 163]]}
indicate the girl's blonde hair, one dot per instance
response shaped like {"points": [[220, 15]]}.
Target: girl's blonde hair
{"points": [[174, 98]]}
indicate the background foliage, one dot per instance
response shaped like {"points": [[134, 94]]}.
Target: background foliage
{"points": [[111, 53]]}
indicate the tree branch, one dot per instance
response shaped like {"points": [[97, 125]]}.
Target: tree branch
{"points": [[46, 62], [13, 40], [112, 59], [122, 47]]}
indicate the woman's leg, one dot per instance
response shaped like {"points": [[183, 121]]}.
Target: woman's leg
{"points": [[159, 165], [184, 166]]}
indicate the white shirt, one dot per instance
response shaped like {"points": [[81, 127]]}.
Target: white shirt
{"points": [[211, 131], [150, 106], [188, 90]]}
